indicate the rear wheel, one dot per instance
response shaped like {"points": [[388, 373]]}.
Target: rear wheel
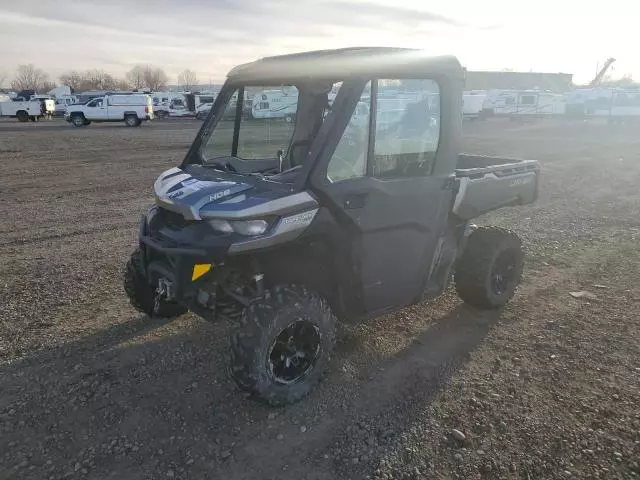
{"points": [[142, 295], [490, 268], [132, 121], [78, 120], [22, 116], [283, 344]]}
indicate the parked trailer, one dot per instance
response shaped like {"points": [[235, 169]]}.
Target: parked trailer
{"points": [[473, 103], [617, 104], [275, 104], [624, 105], [167, 104], [25, 110], [182, 104], [515, 103], [63, 102]]}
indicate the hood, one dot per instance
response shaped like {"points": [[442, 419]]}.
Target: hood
{"points": [[180, 192], [201, 198]]}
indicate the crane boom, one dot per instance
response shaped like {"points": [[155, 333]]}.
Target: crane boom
{"points": [[598, 78]]}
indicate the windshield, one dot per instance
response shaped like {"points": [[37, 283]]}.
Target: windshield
{"points": [[268, 123]]}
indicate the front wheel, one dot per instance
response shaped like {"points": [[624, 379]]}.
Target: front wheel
{"points": [[78, 120], [283, 344], [23, 116], [490, 268]]}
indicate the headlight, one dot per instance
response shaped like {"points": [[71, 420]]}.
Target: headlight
{"points": [[221, 226], [249, 228]]}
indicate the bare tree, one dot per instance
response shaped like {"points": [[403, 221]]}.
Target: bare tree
{"points": [[92, 80], [98, 80], [146, 76], [3, 77], [73, 79], [155, 78], [187, 79], [29, 77], [136, 77], [47, 86], [121, 85]]}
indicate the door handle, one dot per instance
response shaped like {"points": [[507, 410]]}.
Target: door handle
{"points": [[355, 200]]}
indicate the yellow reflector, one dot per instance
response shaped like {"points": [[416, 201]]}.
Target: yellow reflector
{"points": [[200, 269]]}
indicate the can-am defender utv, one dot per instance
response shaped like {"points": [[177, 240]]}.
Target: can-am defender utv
{"points": [[357, 205]]}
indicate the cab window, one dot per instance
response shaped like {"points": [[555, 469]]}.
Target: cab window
{"points": [[349, 160], [407, 128]]}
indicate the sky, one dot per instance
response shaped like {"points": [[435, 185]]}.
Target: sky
{"points": [[211, 36]]}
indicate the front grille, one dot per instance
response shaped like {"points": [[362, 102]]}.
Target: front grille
{"points": [[172, 220], [166, 219]]}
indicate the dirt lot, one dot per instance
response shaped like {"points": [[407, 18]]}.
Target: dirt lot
{"points": [[547, 388]]}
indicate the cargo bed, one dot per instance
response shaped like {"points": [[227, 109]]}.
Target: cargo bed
{"points": [[487, 183]]}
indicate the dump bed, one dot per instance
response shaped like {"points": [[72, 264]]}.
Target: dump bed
{"points": [[487, 183]]}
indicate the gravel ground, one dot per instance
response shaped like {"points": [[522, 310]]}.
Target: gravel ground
{"points": [[547, 388]]}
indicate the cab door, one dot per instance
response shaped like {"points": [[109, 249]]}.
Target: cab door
{"points": [[390, 186], [96, 109]]}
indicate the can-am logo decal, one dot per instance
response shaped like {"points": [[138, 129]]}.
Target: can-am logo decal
{"points": [[520, 181], [219, 195], [176, 194], [300, 218]]}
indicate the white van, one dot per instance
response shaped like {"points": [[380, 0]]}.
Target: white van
{"points": [[132, 109]]}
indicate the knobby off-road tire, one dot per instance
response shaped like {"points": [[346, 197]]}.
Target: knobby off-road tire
{"points": [[490, 268], [260, 350], [141, 293]]}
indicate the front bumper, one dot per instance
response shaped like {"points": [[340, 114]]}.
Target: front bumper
{"points": [[173, 251]]}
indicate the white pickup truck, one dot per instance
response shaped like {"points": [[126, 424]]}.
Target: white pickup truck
{"points": [[25, 110], [132, 109]]}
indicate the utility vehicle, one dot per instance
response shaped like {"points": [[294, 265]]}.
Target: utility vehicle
{"points": [[282, 228], [26, 108], [131, 109]]}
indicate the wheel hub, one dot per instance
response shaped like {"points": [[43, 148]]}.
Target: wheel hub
{"points": [[294, 352], [503, 272]]}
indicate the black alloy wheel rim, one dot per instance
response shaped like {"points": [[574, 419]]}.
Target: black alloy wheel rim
{"points": [[503, 274], [295, 352]]}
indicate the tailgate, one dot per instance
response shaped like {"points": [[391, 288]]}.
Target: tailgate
{"points": [[501, 183]]}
